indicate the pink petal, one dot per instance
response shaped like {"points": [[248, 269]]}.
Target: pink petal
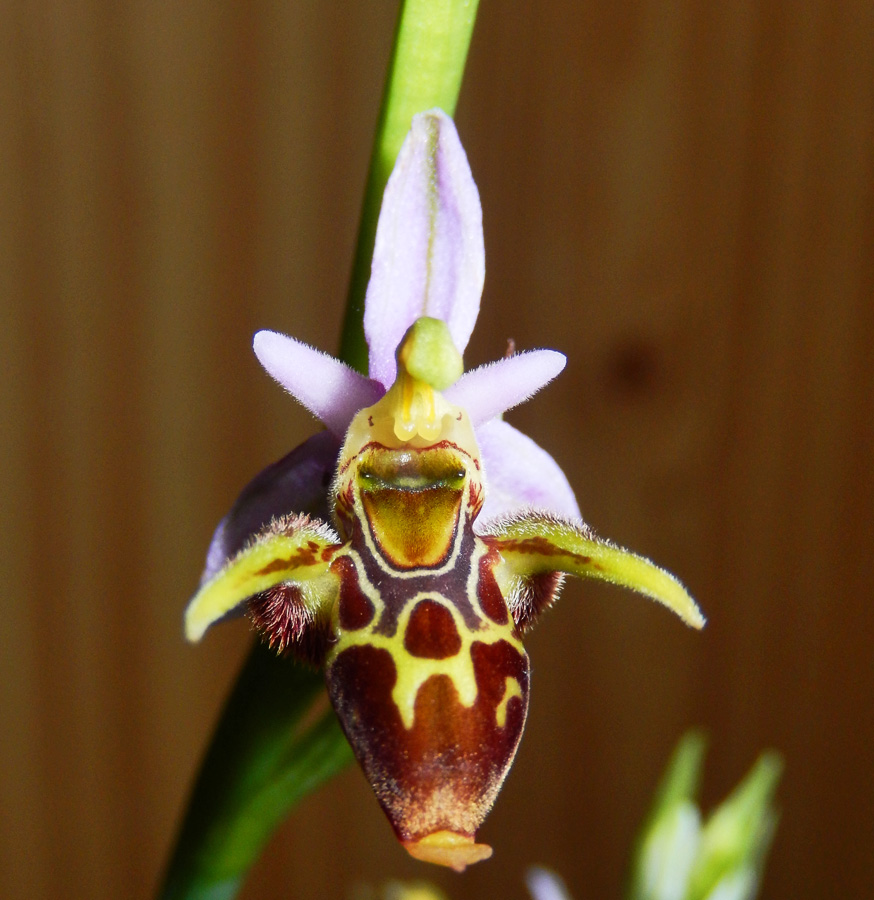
{"points": [[429, 257], [299, 482], [545, 885], [520, 475], [329, 389], [489, 390]]}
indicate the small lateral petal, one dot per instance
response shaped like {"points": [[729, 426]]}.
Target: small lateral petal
{"points": [[520, 475], [532, 544], [489, 390], [328, 388], [294, 550], [429, 256]]}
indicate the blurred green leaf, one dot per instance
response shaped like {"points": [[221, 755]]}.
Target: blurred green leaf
{"points": [[739, 832], [679, 858]]}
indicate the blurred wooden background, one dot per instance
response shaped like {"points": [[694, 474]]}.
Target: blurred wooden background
{"points": [[678, 195]]}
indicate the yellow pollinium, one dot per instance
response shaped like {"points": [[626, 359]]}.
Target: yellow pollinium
{"points": [[428, 362], [416, 408], [414, 412]]}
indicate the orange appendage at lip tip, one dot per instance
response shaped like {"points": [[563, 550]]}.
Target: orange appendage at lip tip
{"points": [[448, 848]]}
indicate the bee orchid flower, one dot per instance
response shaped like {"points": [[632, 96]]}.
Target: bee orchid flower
{"points": [[408, 547]]}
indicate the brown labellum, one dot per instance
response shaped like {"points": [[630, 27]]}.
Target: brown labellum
{"points": [[438, 779]]}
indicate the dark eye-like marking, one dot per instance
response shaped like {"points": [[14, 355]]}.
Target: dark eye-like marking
{"points": [[431, 632], [355, 610]]}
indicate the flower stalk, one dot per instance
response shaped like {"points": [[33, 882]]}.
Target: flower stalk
{"points": [[259, 764]]}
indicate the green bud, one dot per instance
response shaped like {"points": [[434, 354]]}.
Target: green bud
{"points": [[668, 853], [738, 833], [739, 885], [669, 838], [412, 890], [679, 859]]}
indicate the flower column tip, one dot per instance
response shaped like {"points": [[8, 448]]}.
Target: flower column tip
{"points": [[448, 848]]}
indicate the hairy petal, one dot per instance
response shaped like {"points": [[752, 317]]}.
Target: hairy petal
{"points": [[328, 388], [298, 482], [520, 475], [293, 550], [489, 390], [429, 257], [532, 545]]}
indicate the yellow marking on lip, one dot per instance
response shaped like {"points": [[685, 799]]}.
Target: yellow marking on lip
{"points": [[512, 689], [416, 412], [447, 848], [479, 551], [412, 671]]}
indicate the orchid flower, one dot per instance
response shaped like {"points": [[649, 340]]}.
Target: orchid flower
{"points": [[409, 547]]}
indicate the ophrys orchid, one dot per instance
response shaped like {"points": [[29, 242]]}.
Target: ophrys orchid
{"points": [[450, 531]]}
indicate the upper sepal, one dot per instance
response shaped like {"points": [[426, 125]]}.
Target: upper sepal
{"points": [[429, 256]]}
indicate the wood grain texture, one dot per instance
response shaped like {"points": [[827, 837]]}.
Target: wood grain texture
{"points": [[679, 196]]}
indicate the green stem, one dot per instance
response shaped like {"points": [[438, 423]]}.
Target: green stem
{"points": [[261, 760], [259, 764], [426, 69]]}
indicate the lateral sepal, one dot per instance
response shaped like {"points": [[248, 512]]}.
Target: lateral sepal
{"points": [[533, 547]]}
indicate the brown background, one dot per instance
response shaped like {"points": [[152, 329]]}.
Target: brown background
{"points": [[678, 195]]}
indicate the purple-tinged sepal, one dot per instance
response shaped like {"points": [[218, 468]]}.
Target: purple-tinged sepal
{"points": [[521, 476], [297, 483], [429, 256]]}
